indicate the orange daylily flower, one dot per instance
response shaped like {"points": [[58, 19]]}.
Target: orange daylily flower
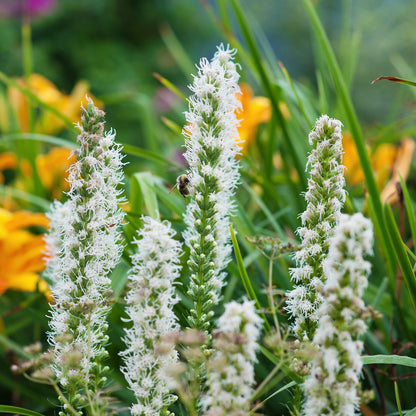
{"points": [[47, 122], [401, 166], [385, 161], [8, 160], [21, 252], [53, 170], [255, 110]]}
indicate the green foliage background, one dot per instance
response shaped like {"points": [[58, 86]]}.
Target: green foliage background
{"points": [[117, 46]]}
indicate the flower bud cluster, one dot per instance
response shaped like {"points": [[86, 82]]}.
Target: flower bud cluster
{"points": [[325, 197], [150, 300], [332, 387], [84, 247], [211, 139], [230, 371]]}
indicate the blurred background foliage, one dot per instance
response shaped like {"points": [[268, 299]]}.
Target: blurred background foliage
{"points": [[116, 47]]}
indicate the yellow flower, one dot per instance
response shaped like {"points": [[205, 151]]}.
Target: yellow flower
{"points": [[53, 170], [401, 165], [21, 252], [386, 160], [255, 110], [47, 122], [8, 160]]}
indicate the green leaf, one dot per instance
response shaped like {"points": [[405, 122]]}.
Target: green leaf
{"points": [[18, 411], [400, 250], [285, 387], [355, 129], [275, 360], [166, 83], [143, 195], [56, 141], [409, 208], [119, 278], [272, 91], [146, 154], [395, 79], [389, 359], [8, 344], [411, 412], [266, 211], [246, 280], [37, 201]]}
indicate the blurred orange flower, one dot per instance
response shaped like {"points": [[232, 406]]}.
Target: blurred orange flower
{"points": [[386, 160], [21, 252], [47, 122], [53, 170], [8, 160], [255, 110]]}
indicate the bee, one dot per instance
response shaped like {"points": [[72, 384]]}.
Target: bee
{"points": [[182, 183]]}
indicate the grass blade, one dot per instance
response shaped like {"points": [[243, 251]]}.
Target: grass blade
{"points": [[409, 209], [268, 87], [56, 141], [246, 281], [389, 359], [146, 154], [18, 411], [354, 125], [400, 250]]}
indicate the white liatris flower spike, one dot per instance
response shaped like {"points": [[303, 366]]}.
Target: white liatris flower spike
{"points": [[230, 370], [150, 299], [332, 387], [84, 247], [325, 197], [211, 140]]}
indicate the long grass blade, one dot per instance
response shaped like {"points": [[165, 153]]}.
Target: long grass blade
{"points": [[354, 125], [389, 359], [268, 87], [18, 411], [56, 141], [246, 281], [146, 154], [402, 257], [409, 209]]}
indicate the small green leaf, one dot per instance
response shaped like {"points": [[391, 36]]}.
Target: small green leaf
{"points": [[411, 412], [389, 359], [143, 195], [395, 79], [18, 411]]}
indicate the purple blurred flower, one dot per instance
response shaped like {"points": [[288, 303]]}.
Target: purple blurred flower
{"points": [[165, 100], [26, 8]]}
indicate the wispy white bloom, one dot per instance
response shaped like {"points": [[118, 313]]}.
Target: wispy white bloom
{"points": [[230, 371], [211, 140], [84, 247], [150, 299], [332, 387], [325, 197]]}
